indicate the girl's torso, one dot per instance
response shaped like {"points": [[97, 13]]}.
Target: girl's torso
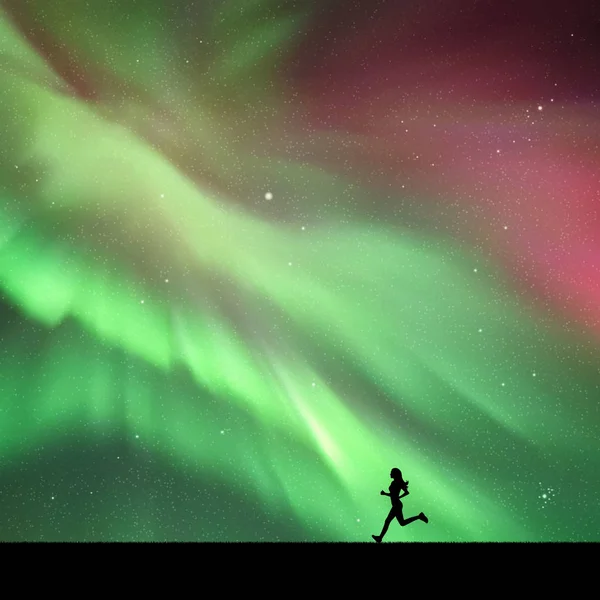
{"points": [[395, 492]]}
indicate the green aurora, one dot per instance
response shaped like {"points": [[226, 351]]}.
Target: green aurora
{"points": [[292, 363]]}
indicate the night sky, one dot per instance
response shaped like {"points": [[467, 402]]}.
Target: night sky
{"points": [[256, 253]]}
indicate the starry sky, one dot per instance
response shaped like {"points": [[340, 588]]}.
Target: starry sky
{"points": [[256, 253]]}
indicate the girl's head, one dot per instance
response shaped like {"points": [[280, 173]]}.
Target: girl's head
{"points": [[396, 474]]}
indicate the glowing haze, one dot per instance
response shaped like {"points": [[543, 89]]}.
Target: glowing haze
{"points": [[252, 258]]}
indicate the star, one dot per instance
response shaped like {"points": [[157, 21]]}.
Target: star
{"points": [[268, 196]]}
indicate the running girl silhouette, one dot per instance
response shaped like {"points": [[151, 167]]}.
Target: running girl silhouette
{"points": [[397, 484]]}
